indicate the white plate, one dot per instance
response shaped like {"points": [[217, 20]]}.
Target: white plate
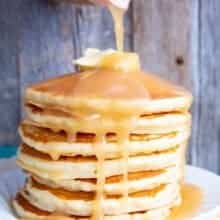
{"points": [[209, 183]]}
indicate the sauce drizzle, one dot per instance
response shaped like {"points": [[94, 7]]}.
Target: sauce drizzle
{"points": [[98, 212], [118, 18]]}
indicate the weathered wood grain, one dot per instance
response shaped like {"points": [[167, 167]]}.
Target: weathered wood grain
{"points": [[165, 36], [208, 133], [193, 69], [161, 37], [9, 80], [46, 45]]}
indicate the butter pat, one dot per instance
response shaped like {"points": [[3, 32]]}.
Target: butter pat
{"points": [[109, 59]]}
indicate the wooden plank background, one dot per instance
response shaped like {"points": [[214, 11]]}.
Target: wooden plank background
{"points": [[179, 40]]}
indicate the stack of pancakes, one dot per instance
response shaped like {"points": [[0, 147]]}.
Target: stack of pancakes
{"points": [[102, 157]]}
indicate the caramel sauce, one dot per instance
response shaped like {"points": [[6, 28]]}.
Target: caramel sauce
{"points": [[124, 138], [109, 84], [192, 197], [98, 212], [118, 18]]}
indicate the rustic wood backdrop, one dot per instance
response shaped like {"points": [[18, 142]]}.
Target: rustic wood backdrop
{"points": [[179, 40]]}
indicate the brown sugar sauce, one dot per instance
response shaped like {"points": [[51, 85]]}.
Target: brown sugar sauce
{"points": [[192, 197]]}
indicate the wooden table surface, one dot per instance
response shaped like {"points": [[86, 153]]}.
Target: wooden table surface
{"points": [[179, 40]]}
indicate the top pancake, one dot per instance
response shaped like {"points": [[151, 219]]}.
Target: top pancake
{"points": [[106, 91]]}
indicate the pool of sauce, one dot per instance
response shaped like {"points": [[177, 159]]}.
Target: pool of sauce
{"points": [[192, 197]]}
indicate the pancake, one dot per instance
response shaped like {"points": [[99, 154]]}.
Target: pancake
{"points": [[56, 144], [65, 93], [146, 124], [104, 144], [81, 203], [138, 181], [85, 167], [26, 210]]}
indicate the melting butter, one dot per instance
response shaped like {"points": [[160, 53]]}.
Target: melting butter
{"points": [[120, 61], [110, 60]]}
